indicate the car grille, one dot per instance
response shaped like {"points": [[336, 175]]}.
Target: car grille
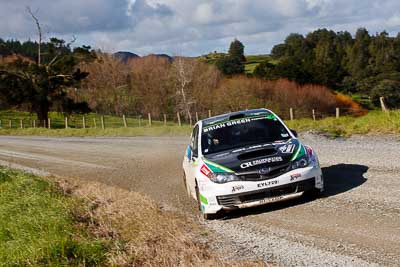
{"points": [[237, 199], [256, 176]]}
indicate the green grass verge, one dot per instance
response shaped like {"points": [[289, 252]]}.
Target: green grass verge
{"points": [[37, 225], [375, 122], [135, 131], [92, 120]]}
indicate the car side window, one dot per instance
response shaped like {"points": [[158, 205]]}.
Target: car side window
{"points": [[195, 141]]}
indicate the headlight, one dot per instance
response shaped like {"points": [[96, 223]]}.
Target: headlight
{"points": [[305, 160], [301, 163], [223, 177]]}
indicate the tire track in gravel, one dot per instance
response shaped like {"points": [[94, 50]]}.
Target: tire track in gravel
{"points": [[357, 223]]}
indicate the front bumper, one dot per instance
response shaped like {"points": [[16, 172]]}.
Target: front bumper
{"points": [[263, 196], [244, 194]]}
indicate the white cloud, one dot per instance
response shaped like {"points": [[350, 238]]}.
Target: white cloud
{"points": [[193, 27]]}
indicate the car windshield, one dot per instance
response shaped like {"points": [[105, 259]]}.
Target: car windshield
{"points": [[242, 132]]}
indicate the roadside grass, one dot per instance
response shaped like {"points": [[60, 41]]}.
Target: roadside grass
{"points": [[375, 122], [38, 225], [153, 235], [69, 222], [130, 131], [92, 120]]}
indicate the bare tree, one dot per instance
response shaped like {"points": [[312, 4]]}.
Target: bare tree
{"points": [[39, 29], [184, 69]]}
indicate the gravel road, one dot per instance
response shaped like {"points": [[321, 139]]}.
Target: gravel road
{"points": [[356, 223]]}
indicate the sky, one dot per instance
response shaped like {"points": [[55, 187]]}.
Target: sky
{"points": [[191, 27]]}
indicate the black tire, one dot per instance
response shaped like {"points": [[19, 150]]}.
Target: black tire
{"points": [[204, 215], [316, 192], [184, 183]]}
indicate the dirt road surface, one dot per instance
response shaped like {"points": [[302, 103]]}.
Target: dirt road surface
{"points": [[356, 223]]}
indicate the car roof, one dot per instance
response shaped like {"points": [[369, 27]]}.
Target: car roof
{"points": [[236, 114]]}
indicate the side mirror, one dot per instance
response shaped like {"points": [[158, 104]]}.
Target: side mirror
{"points": [[294, 132], [189, 152]]}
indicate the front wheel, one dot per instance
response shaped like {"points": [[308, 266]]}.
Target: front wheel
{"points": [[206, 216], [185, 184]]}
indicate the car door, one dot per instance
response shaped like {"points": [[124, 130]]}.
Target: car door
{"points": [[193, 160]]}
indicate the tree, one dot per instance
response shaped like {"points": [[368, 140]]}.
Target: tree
{"points": [[230, 66], [233, 63], [359, 55], [390, 90], [236, 51], [265, 70], [44, 86], [184, 72]]}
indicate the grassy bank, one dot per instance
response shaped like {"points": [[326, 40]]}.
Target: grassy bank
{"points": [[69, 222], [39, 226], [135, 131], [375, 122]]}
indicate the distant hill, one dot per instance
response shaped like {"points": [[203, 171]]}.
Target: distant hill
{"points": [[169, 58], [125, 56]]}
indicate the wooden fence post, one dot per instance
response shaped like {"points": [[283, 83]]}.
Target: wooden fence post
{"points": [[197, 117], [66, 122], [83, 122], [209, 113], [149, 115], [383, 106], [49, 123], [313, 114], [103, 126], [94, 123], [291, 114], [179, 118], [337, 113], [21, 124], [34, 123], [124, 120], [10, 124], [165, 119]]}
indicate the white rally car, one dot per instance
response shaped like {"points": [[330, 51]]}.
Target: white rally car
{"points": [[245, 159]]}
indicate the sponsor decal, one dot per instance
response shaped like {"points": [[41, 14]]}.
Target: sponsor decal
{"points": [[214, 167], [236, 188], [203, 199], [237, 122], [287, 148], [226, 124], [260, 161], [205, 170], [264, 171], [267, 183], [295, 176]]}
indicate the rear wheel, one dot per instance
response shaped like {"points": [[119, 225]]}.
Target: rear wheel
{"points": [[185, 184], [206, 216]]}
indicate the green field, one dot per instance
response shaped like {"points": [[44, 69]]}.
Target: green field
{"points": [[38, 225], [375, 122], [92, 120], [252, 61]]}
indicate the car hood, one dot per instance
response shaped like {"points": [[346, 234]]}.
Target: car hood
{"points": [[255, 157]]}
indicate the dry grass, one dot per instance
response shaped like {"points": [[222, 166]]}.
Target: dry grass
{"points": [[148, 235]]}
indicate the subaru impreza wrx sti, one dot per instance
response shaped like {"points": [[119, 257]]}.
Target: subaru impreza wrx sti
{"points": [[245, 159]]}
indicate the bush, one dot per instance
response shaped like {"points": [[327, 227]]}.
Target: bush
{"points": [[390, 90]]}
